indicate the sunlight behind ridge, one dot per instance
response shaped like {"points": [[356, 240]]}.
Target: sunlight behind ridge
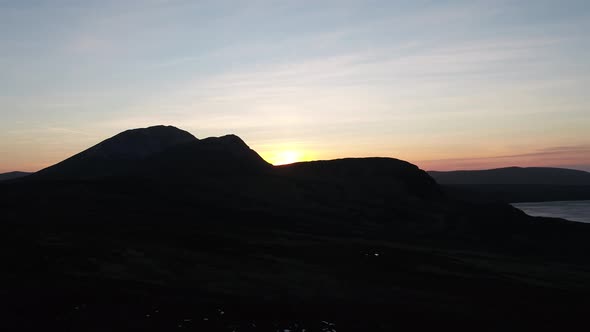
{"points": [[285, 157]]}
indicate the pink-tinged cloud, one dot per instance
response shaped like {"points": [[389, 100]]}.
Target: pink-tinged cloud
{"points": [[577, 157]]}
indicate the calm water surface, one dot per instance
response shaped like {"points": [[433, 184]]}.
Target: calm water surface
{"points": [[570, 210]]}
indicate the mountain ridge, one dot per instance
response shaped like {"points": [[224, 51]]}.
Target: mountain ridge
{"points": [[146, 151], [13, 175], [517, 184], [169, 153], [514, 175]]}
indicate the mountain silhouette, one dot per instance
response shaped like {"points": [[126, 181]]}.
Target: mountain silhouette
{"points": [[514, 175], [158, 152], [225, 172], [13, 175], [154, 229], [226, 167], [397, 174], [226, 155]]}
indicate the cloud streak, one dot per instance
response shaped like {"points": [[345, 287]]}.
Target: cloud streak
{"points": [[420, 81]]}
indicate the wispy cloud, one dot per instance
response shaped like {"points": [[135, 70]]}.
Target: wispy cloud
{"points": [[374, 82], [419, 80]]}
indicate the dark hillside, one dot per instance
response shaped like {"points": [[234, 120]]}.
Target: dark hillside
{"points": [[204, 235], [12, 175]]}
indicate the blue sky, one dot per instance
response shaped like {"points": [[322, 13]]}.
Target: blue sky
{"points": [[445, 85]]}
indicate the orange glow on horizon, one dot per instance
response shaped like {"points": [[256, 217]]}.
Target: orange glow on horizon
{"points": [[284, 157], [576, 159]]}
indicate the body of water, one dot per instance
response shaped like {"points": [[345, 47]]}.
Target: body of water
{"points": [[570, 210]]}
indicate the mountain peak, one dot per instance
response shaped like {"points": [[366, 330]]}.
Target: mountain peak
{"points": [[226, 141], [139, 143], [158, 151], [118, 153]]}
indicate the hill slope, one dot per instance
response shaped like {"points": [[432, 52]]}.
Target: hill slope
{"points": [[13, 175]]}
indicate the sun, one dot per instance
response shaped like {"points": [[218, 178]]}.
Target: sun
{"points": [[283, 154], [285, 157]]}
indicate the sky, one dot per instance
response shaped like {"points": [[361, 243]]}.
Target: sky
{"points": [[442, 84]]}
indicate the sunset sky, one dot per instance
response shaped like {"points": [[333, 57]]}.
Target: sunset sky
{"points": [[442, 84]]}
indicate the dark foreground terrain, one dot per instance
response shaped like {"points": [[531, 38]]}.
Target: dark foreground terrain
{"points": [[205, 236]]}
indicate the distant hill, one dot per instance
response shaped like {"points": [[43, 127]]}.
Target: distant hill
{"points": [[514, 175], [517, 184], [397, 174], [13, 175]]}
